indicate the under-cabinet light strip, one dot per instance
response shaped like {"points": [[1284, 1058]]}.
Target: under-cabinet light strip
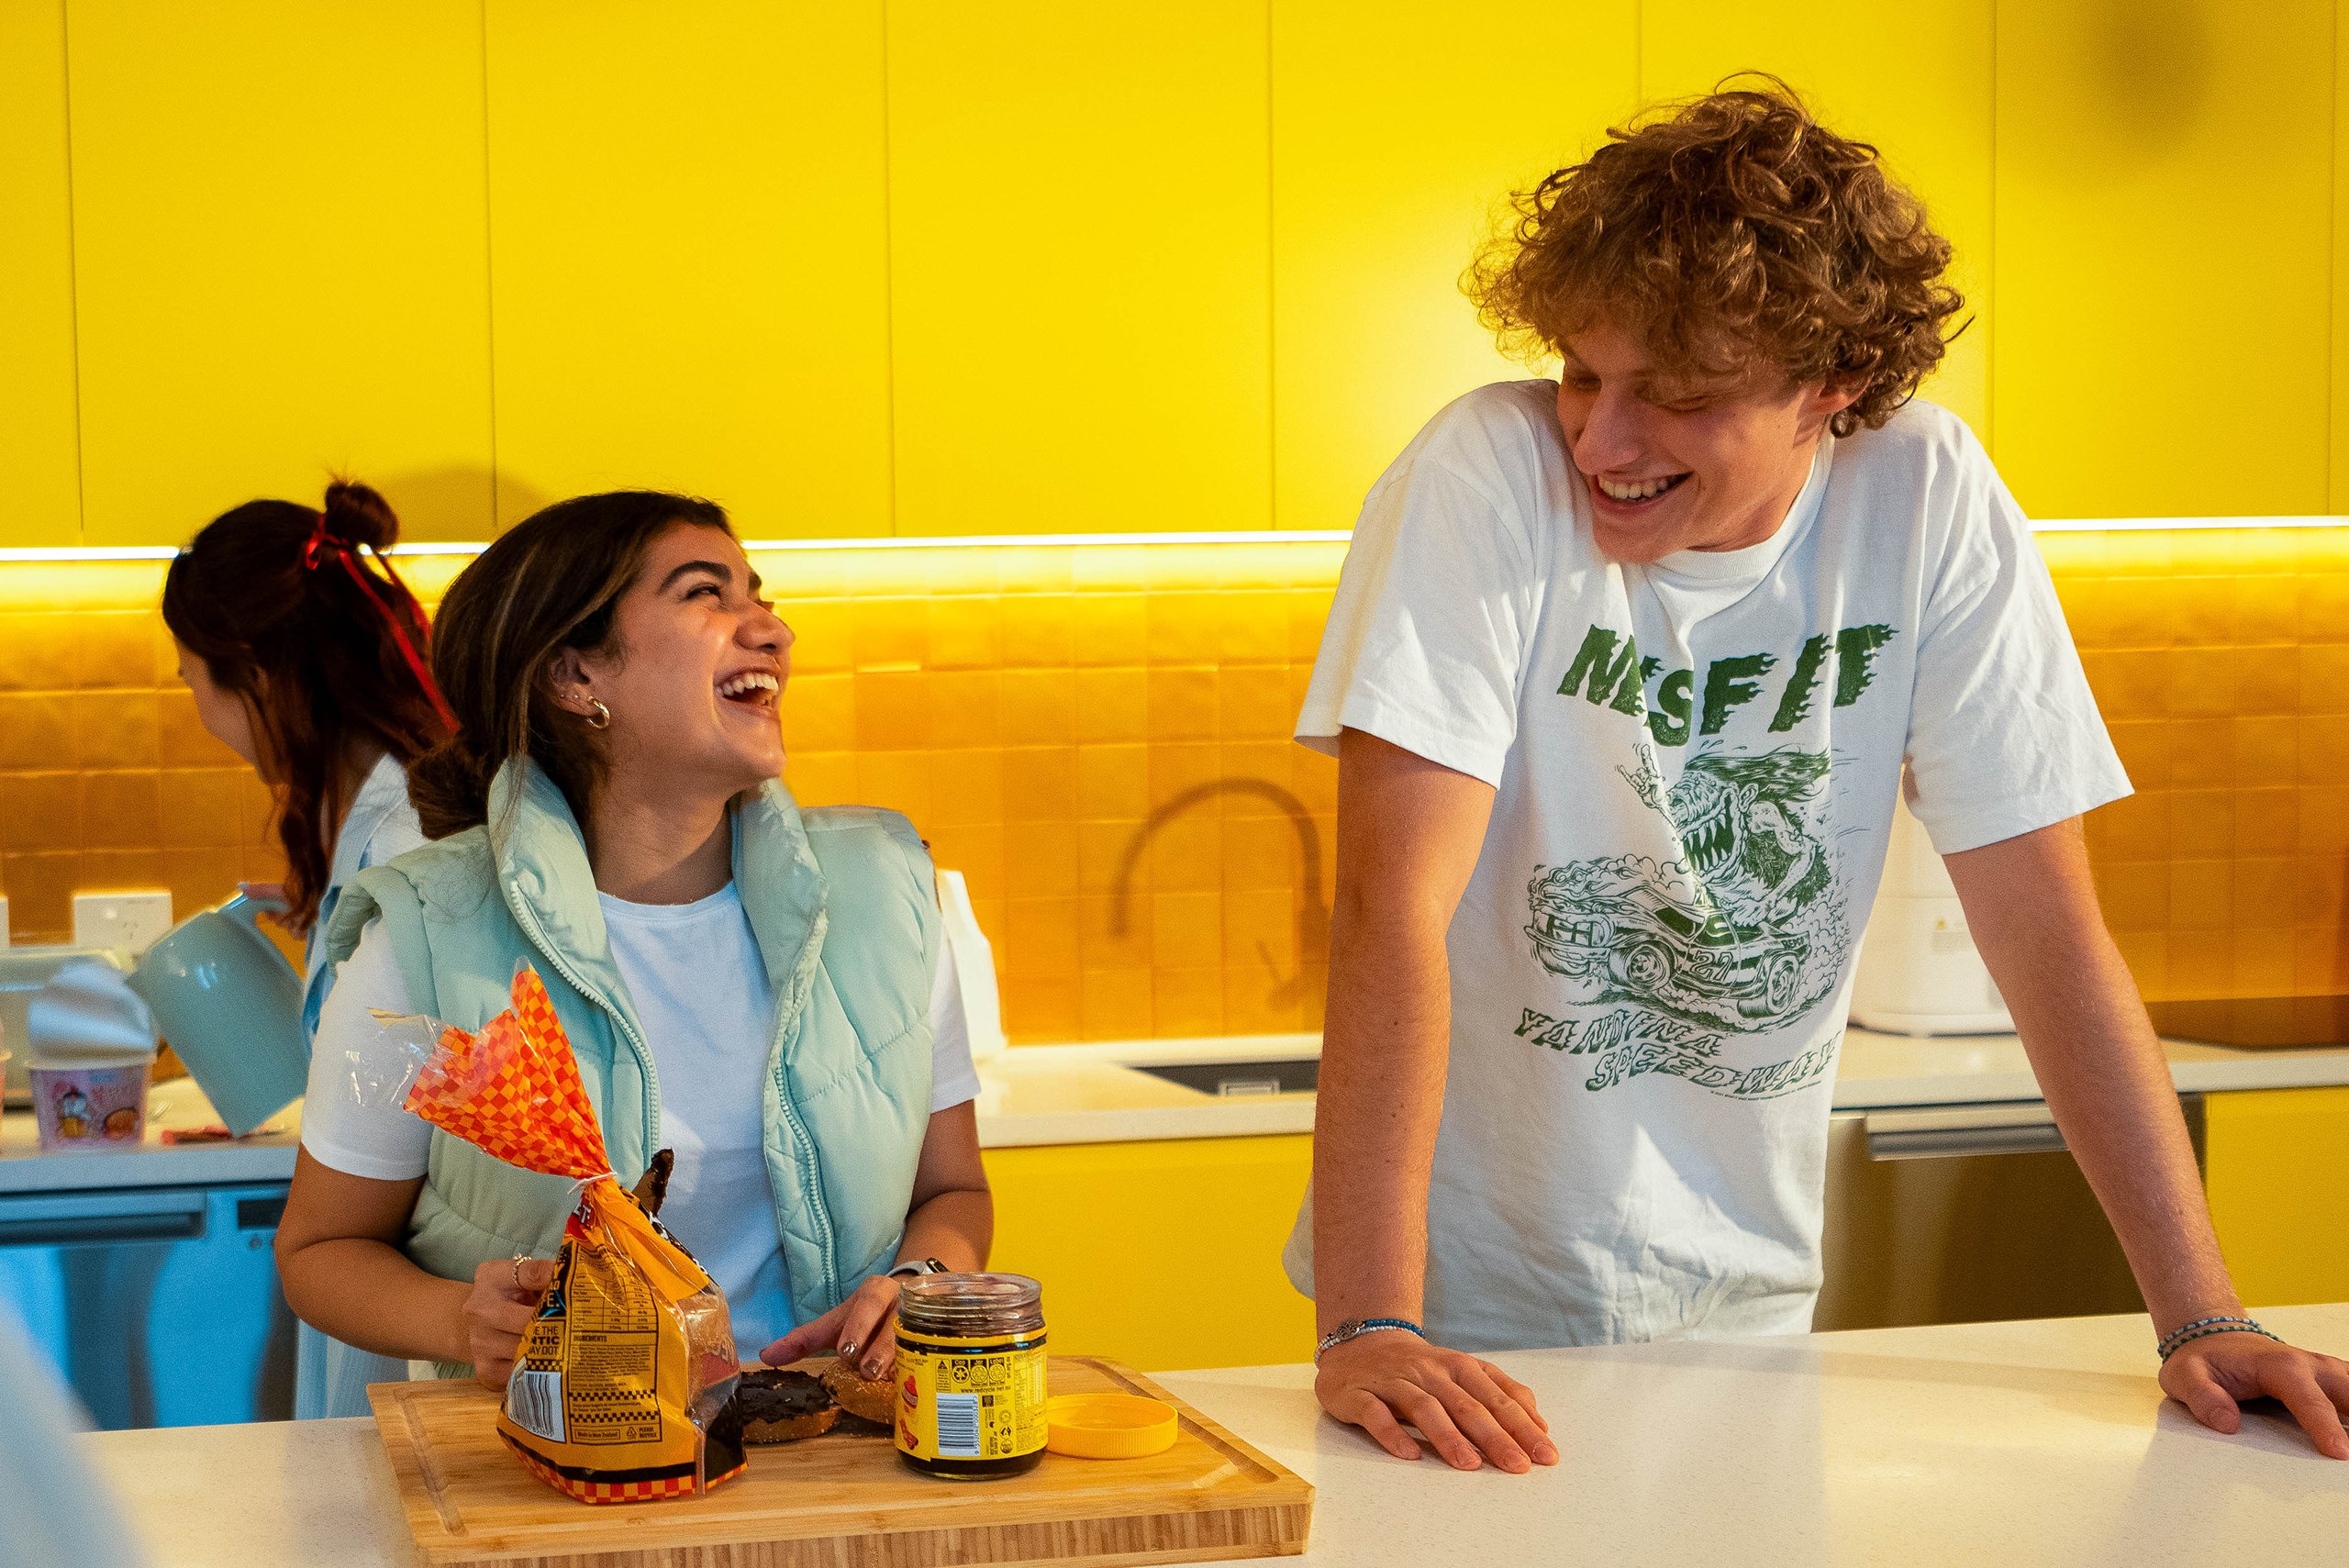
{"points": [[1257, 536]]}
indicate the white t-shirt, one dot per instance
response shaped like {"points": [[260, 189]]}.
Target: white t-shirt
{"points": [[1695, 764], [700, 990]]}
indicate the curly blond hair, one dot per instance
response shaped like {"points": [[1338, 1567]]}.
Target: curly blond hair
{"points": [[1735, 232]]}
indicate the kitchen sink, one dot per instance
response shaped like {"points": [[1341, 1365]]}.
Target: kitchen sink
{"points": [[1290, 1076]]}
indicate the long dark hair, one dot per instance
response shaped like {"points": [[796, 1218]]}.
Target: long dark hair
{"points": [[325, 647], [548, 583]]}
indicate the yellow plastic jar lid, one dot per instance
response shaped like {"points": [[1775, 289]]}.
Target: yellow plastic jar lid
{"points": [[1108, 1426]]}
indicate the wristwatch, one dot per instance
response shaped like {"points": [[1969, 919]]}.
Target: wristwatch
{"points": [[913, 1266]]}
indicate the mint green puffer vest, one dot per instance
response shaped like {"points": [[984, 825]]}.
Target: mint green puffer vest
{"points": [[842, 903]]}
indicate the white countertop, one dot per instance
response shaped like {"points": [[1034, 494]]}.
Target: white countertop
{"points": [[2007, 1443], [1085, 1094], [266, 1155], [1876, 1070], [1090, 1093]]}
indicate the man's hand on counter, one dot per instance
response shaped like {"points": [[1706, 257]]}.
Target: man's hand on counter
{"points": [[2211, 1377], [1470, 1410]]}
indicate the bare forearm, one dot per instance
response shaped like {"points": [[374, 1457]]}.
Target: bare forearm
{"points": [[2102, 1071], [368, 1293], [956, 1227], [2033, 906], [1385, 1047]]}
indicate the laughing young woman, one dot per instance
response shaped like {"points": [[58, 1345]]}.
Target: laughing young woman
{"points": [[756, 988]]}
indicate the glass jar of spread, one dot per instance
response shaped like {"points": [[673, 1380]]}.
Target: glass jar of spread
{"points": [[971, 1374]]}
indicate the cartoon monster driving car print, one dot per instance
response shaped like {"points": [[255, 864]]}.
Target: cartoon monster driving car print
{"points": [[1745, 929]]}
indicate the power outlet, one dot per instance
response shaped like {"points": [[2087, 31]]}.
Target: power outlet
{"points": [[131, 921]]}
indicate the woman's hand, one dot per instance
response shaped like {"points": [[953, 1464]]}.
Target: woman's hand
{"points": [[492, 1320], [1470, 1410], [863, 1329], [2211, 1375]]}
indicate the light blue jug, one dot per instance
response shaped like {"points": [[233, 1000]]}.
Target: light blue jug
{"points": [[230, 1005]]}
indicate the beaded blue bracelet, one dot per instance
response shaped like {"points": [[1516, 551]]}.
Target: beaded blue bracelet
{"points": [[2199, 1323], [1353, 1329], [2203, 1328]]}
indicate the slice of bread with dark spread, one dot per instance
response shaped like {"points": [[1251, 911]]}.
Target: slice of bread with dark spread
{"points": [[781, 1406]]}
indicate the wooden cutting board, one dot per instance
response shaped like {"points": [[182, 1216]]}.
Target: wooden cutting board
{"points": [[842, 1500]]}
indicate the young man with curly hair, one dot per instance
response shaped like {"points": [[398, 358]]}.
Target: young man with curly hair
{"points": [[1622, 677]]}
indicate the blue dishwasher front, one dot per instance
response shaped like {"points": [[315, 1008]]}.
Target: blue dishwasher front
{"points": [[159, 1306]]}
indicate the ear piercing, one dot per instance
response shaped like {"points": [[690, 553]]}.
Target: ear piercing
{"points": [[602, 717]]}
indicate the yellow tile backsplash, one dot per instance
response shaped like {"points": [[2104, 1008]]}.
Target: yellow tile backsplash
{"points": [[1098, 736], [2221, 661]]}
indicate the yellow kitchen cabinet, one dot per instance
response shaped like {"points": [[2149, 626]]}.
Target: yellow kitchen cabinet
{"points": [[1395, 141], [1165, 1254], [2338, 495], [689, 256], [280, 259], [2164, 192], [1080, 270], [1920, 91], [40, 467], [2276, 1169]]}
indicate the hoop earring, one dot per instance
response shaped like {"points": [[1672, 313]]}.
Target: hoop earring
{"points": [[602, 717]]}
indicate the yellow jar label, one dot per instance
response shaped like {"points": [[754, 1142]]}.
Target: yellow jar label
{"points": [[970, 1398]]}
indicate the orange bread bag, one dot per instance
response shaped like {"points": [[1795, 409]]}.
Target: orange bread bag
{"points": [[623, 1388]]}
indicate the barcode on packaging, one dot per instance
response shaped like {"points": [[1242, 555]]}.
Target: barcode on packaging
{"points": [[535, 1401], [958, 1426]]}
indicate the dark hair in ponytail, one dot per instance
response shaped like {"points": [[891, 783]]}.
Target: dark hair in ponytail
{"points": [[325, 649], [548, 583]]}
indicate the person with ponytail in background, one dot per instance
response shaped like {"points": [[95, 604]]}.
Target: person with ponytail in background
{"points": [[308, 660], [755, 988]]}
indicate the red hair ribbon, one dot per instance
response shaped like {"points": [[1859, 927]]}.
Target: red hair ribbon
{"points": [[321, 540]]}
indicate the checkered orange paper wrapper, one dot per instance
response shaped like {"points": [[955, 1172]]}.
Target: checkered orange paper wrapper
{"points": [[622, 1390]]}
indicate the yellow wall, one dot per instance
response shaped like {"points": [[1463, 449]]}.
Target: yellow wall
{"points": [[1040, 710], [909, 267]]}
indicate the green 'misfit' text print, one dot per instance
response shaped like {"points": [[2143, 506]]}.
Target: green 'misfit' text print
{"points": [[1609, 670]]}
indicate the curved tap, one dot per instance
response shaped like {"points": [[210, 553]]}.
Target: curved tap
{"points": [[1312, 916]]}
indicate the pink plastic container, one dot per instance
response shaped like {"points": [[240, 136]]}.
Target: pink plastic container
{"points": [[91, 1110]]}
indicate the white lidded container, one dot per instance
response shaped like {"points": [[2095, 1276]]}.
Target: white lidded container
{"points": [[23, 971], [92, 1045], [1920, 972]]}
